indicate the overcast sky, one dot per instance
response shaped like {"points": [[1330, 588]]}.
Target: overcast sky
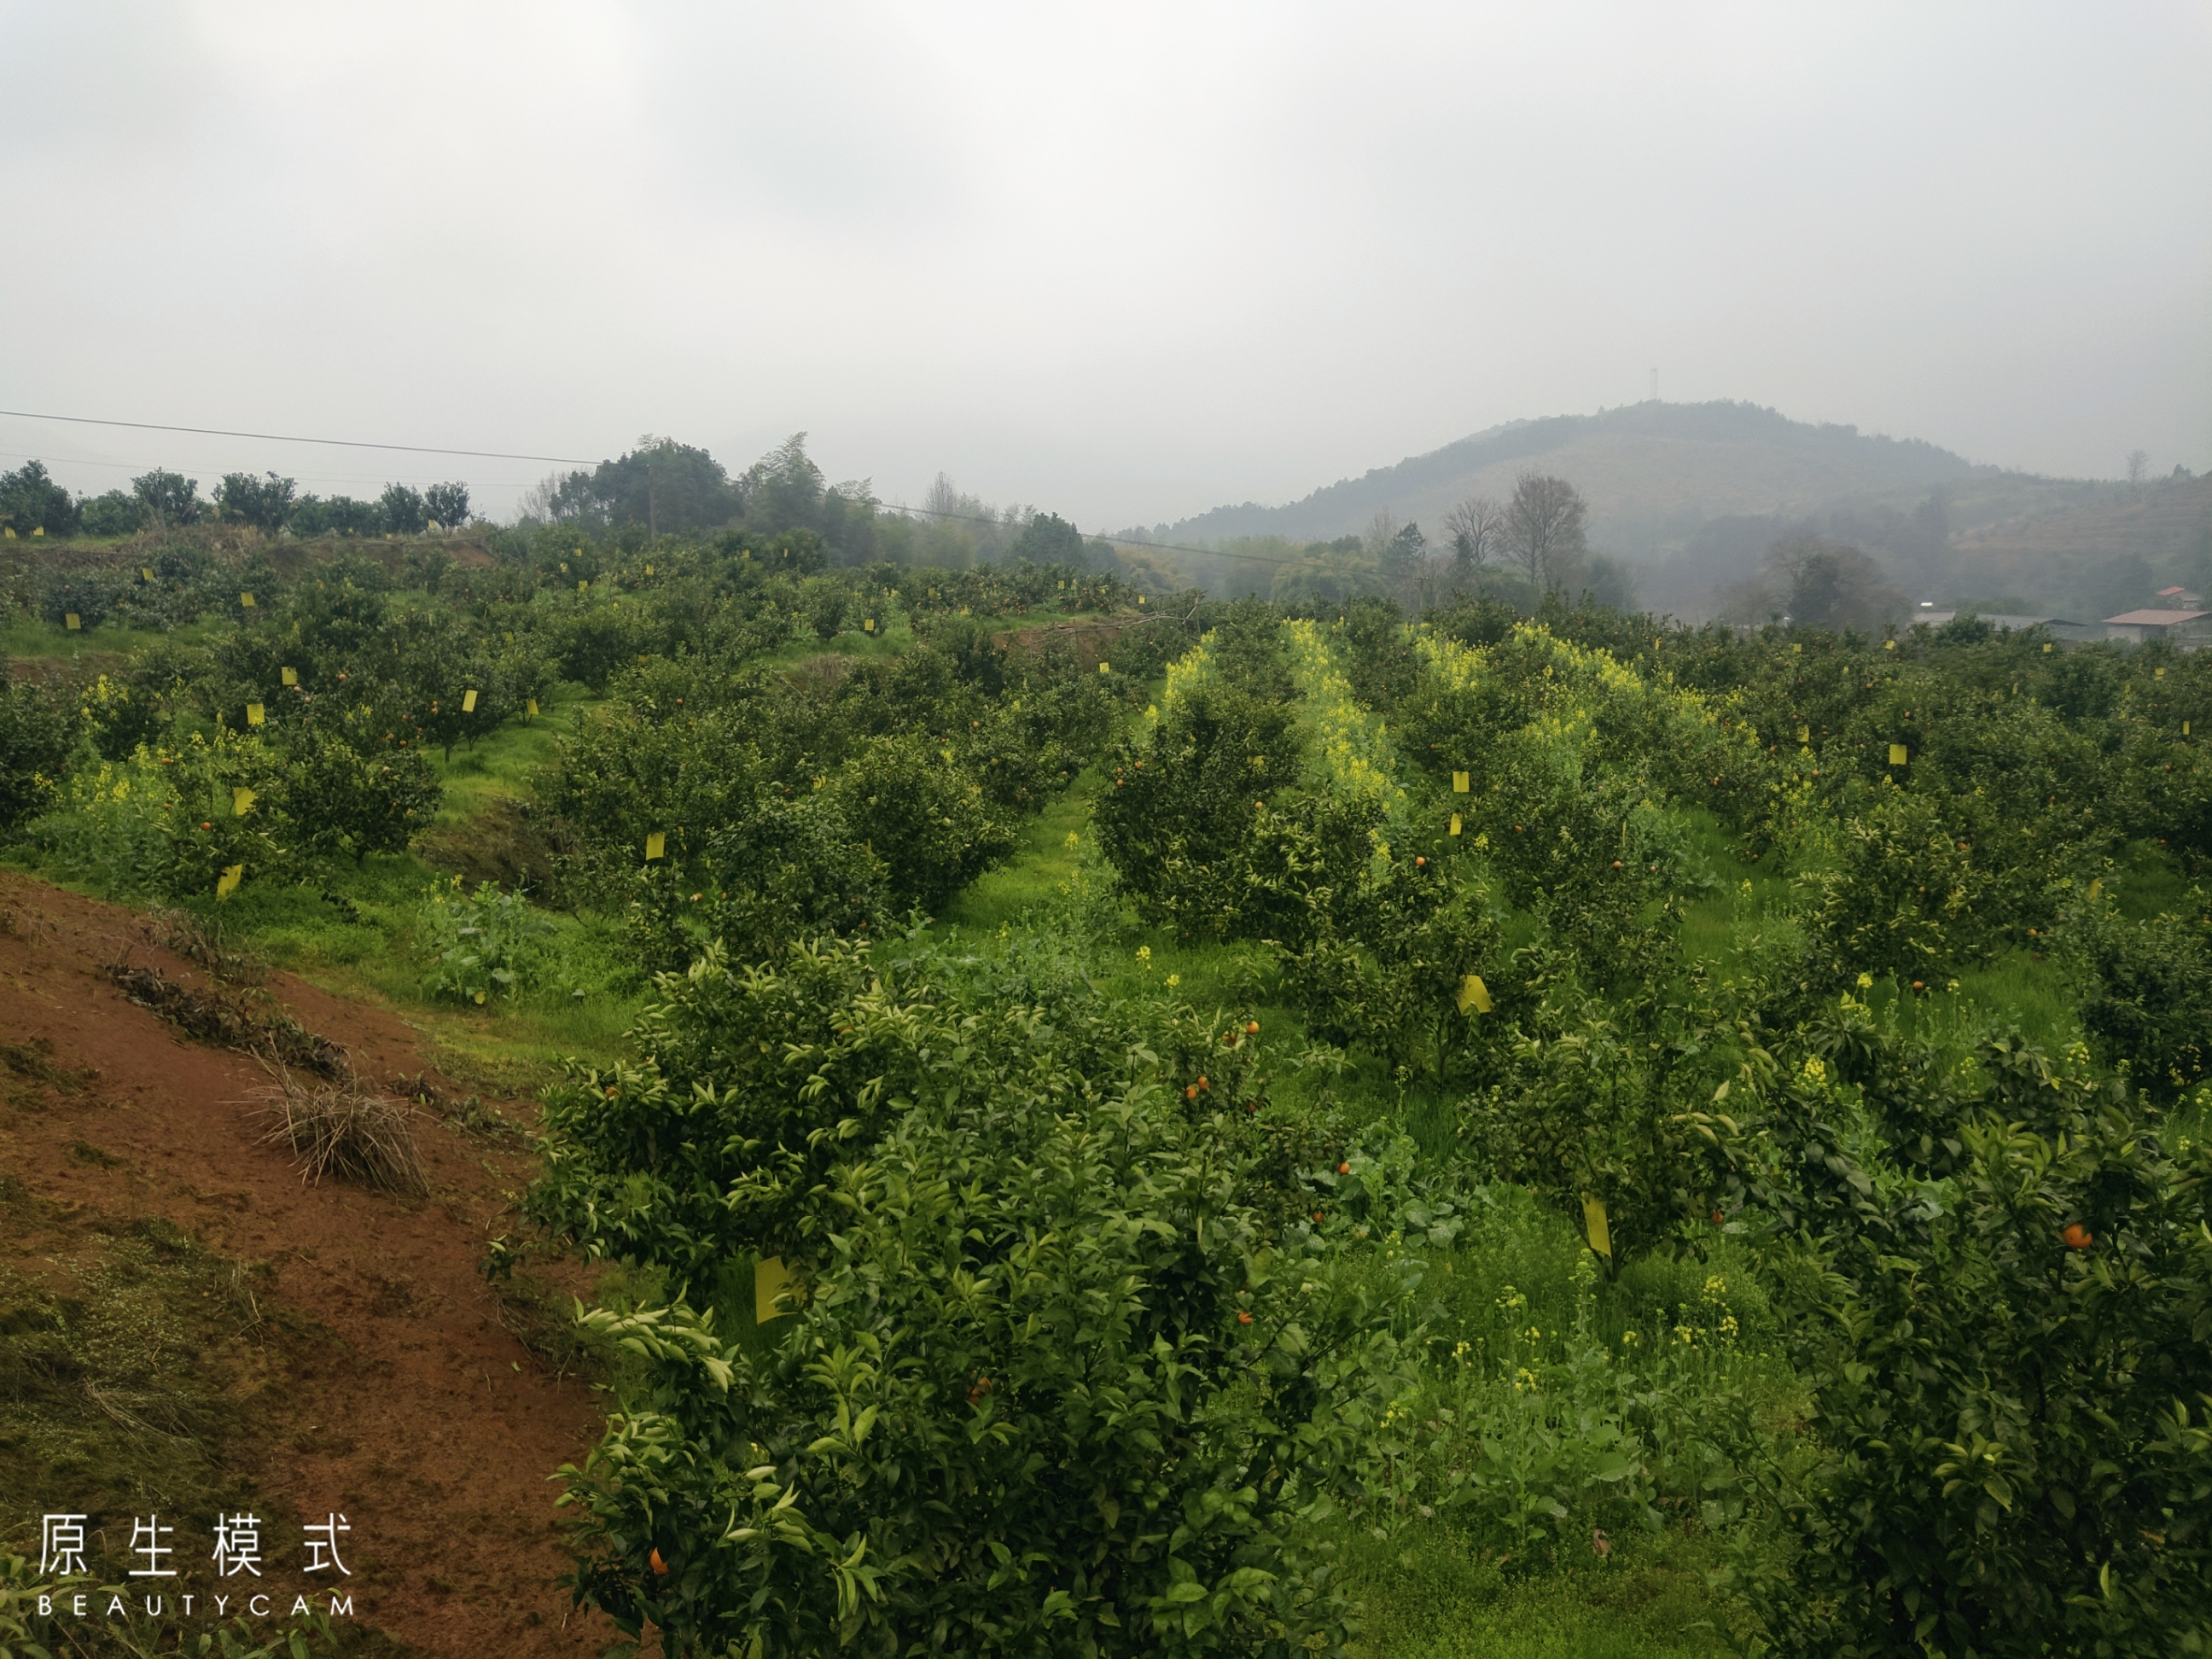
{"points": [[1126, 262]]}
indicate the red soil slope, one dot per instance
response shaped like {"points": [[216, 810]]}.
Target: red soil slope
{"points": [[415, 1421]]}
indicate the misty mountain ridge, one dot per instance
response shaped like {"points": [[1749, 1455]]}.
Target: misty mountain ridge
{"points": [[1691, 496]]}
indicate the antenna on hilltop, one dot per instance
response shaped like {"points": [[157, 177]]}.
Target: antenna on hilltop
{"points": [[1655, 386]]}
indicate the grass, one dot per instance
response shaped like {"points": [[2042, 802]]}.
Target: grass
{"points": [[1429, 1596]]}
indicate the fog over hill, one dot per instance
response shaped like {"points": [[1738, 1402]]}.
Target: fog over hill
{"points": [[1691, 495]]}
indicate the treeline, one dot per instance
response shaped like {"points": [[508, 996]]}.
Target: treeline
{"points": [[33, 504]]}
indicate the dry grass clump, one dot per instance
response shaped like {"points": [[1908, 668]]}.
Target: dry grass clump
{"points": [[344, 1128]]}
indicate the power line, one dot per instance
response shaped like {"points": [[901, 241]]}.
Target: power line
{"points": [[294, 438]]}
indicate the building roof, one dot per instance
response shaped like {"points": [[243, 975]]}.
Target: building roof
{"points": [[2172, 593], [2158, 618]]}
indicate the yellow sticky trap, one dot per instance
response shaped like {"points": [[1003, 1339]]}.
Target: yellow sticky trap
{"points": [[2046, 647], [1897, 755], [2095, 888], [71, 620], [564, 570], [649, 570], [770, 1276], [146, 571], [2184, 728], [253, 713], [1889, 645], [656, 846], [246, 600], [1104, 667], [869, 626], [227, 883], [241, 800], [1459, 783], [581, 586], [2158, 673], [1152, 711], [533, 707], [469, 700], [1797, 650], [1474, 994], [1454, 823], [290, 676], [1594, 1224]]}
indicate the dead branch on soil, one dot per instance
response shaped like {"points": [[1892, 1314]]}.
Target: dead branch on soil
{"points": [[231, 1019], [342, 1128]]}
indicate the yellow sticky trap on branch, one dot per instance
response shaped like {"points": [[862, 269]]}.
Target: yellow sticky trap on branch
{"points": [[649, 570], [246, 600], [581, 586], [227, 883], [254, 714], [1594, 1224], [1889, 645], [1474, 995], [533, 709], [1459, 783], [2184, 728], [869, 626], [71, 620], [1454, 823], [290, 676], [2158, 673], [2095, 888], [1898, 756], [241, 800], [1804, 734], [2046, 647], [770, 1279], [1105, 667], [469, 700], [656, 846], [146, 571]]}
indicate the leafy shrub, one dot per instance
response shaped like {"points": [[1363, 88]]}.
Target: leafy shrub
{"points": [[2012, 1388], [87, 594], [790, 869], [924, 815], [167, 823], [38, 729], [2145, 994], [1044, 1384], [363, 803], [479, 944]]}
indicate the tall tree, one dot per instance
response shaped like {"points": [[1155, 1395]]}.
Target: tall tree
{"points": [[448, 503], [405, 511], [1545, 529], [30, 500], [264, 502], [1830, 584], [169, 498], [1477, 530]]}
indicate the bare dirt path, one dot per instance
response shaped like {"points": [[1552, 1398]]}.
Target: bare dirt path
{"points": [[413, 1409]]}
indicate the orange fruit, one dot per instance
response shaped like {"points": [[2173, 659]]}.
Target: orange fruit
{"points": [[659, 1566], [2077, 1236], [1243, 1318]]}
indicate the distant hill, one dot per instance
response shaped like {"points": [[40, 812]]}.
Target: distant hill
{"points": [[1692, 494]]}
